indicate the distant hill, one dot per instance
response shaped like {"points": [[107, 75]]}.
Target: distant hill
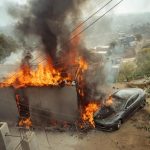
{"points": [[107, 29]]}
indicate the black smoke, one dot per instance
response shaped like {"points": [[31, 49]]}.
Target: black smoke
{"points": [[53, 21], [47, 19]]}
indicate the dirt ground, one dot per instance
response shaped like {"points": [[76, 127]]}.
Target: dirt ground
{"points": [[133, 135]]}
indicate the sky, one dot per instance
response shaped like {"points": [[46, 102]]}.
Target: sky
{"points": [[5, 18], [127, 6], [133, 6], [14, 1]]}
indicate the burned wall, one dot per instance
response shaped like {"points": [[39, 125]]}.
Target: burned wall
{"points": [[8, 108], [52, 103], [45, 103]]}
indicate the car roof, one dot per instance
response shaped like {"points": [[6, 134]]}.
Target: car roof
{"points": [[127, 93]]}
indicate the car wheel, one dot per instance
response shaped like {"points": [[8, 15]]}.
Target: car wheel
{"points": [[118, 125], [143, 103]]}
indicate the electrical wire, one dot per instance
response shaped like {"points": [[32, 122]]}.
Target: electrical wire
{"points": [[39, 109], [89, 26], [92, 15], [19, 144], [95, 21], [84, 28], [83, 23]]}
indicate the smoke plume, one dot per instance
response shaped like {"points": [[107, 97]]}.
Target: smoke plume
{"points": [[47, 19], [52, 21]]}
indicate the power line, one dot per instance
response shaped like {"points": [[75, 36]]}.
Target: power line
{"points": [[82, 30], [35, 108], [90, 24], [92, 15], [87, 27], [43, 115], [96, 20], [83, 23], [19, 144]]}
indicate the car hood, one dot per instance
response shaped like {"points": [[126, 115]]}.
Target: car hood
{"points": [[110, 119]]}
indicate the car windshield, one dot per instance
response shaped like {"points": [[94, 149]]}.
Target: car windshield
{"points": [[117, 103], [109, 110]]}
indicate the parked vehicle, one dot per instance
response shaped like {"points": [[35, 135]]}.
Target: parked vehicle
{"points": [[124, 103]]}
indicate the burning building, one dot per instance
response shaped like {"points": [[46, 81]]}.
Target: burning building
{"points": [[63, 87], [41, 95], [45, 95]]}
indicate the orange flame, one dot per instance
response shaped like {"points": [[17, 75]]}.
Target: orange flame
{"points": [[43, 75], [82, 64], [82, 67], [25, 122], [47, 75], [87, 115]]}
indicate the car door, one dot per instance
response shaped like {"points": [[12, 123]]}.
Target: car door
{"points": [[130, 106], [136, 102]]}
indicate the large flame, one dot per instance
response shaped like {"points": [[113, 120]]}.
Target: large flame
{"points": [[43, 75], [23, 121], [48, 75], [82, 67], [88, 113]]}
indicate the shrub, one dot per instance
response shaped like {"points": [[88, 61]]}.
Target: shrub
{"points": [[127, 71], [143, 62]]}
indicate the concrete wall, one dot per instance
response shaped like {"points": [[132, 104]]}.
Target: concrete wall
{"points": [[30, 142], [5, 141], [46, 104], [8, 109]]}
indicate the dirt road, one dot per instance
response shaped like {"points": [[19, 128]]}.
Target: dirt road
{"points": [[133, 135]]}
